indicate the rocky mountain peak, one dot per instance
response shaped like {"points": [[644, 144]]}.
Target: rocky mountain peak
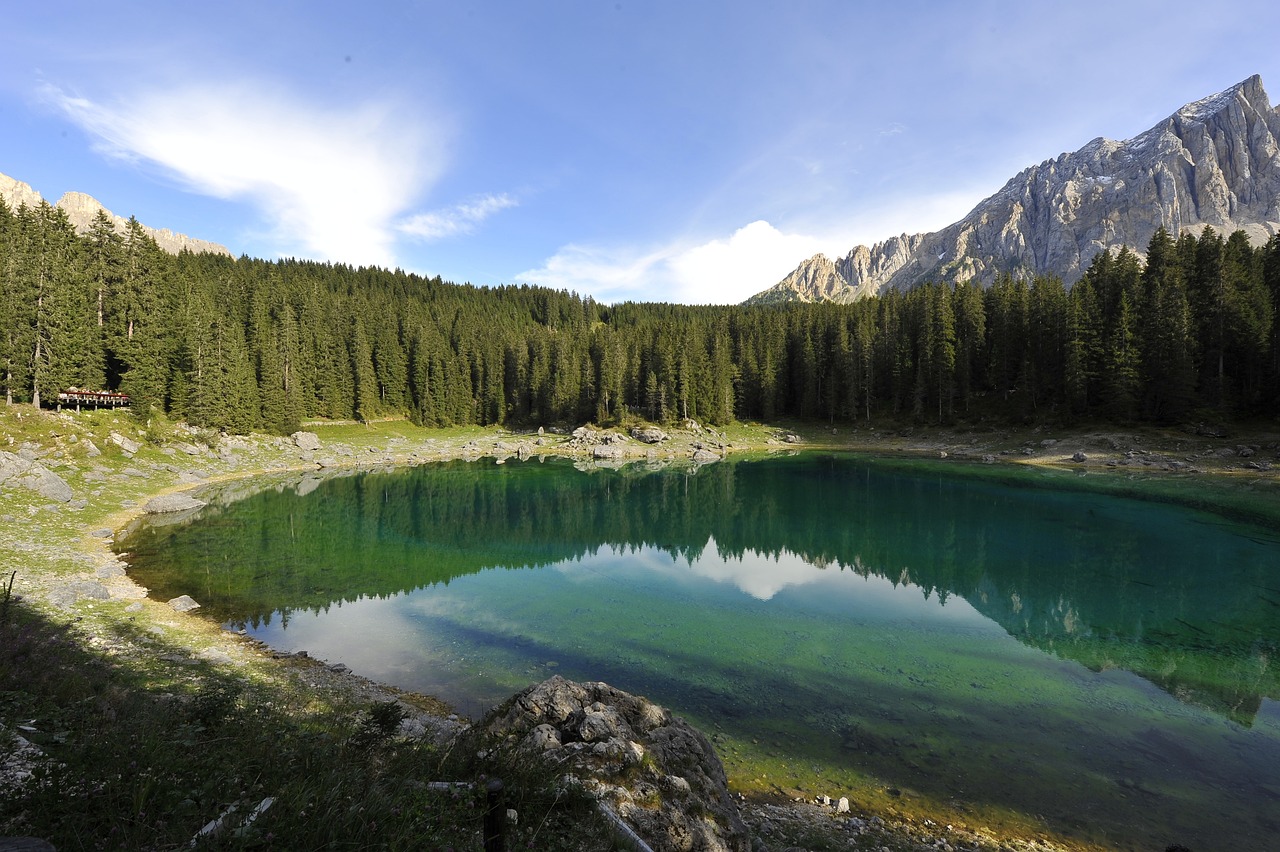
{"points": [[1215, 162], [82, 209]]}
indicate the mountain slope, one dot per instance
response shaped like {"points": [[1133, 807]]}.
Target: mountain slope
{"points": [[1214, 162], [81, 210]]}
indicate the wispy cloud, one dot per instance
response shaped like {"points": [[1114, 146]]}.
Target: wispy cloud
{"points": [[457, 220], [330, 181]]}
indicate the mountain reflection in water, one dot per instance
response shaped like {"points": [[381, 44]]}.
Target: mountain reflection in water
{"points": [[835, 620], [1181, 598]]}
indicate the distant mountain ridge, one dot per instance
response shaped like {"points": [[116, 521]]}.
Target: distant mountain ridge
{"points": [[81, 210], [1215, 162]]}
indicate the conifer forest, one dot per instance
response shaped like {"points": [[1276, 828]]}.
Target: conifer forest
{"points": [[1191, 333]]}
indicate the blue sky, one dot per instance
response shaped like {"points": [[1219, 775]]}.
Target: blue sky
{"points": [[657, 151]]}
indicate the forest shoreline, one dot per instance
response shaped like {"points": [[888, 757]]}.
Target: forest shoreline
{"points": [[64, 546]]}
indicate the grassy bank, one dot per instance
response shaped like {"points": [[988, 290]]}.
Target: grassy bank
{"points": [[150, 723]]}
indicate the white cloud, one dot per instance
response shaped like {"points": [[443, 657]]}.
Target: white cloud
{"points": [[729, 270], [719, 271], [329, 180], [457, 220], [754, 258]]}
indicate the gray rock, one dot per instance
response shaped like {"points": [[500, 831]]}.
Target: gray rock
{"points": [[629, 752], [172, 503], [63, 598], [12, 465], [705, 456], [544, 738], [128, 445], [47, 484], [1079, 456], [81, 209], [648, 434], [90, 590], [66, 596], [1214, 162], [183, 603], [26, 473], [307, 441]]}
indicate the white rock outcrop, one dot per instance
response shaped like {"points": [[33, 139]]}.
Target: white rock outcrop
{"points": [[81, 210], [1215, 163]]}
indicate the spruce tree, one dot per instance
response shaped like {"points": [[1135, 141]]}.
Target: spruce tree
{"points": [[1165, 334]]}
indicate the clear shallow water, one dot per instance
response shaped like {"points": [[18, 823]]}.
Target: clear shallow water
{"points": [[1100, 667]]}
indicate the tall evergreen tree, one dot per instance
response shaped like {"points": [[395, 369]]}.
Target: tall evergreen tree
{"points": [[1165, 334]]}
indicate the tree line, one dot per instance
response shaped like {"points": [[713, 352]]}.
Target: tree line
{"points": [[247, 344]]}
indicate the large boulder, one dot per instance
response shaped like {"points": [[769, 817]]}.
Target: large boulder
{"points": [[30, 474], [127, 445], [648, 434], [657, 772], [306, 441]]}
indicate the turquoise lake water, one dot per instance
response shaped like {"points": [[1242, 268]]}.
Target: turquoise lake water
{"points": [[982, 650]]}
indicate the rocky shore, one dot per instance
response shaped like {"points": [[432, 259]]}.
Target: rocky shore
{"points": [[70, 481]]}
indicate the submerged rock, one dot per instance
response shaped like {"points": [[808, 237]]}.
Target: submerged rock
{"points": [[172, 503], [656, 771]]}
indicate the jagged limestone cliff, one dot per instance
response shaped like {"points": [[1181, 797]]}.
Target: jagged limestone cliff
{"points": [[81, 210], [1215, 162]]}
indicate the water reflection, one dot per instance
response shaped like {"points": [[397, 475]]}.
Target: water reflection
{"points": [[835, 621], [1186, 600]]}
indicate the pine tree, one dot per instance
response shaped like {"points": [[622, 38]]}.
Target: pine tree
{"points": [[55, 282], [1122, 365], [1271, 280], [1165, 336], [137, 319], [1249, 320], [365, 389], [103, 259], [970, 332], [1084, 351]]}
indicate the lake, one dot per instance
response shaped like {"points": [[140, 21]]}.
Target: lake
{"points": [[985, 646]]}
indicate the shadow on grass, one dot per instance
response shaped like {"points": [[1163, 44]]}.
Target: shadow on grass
{"points": [[141, 744]]}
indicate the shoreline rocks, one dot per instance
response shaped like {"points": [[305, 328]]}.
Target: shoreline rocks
{"points": [[658, 773]]}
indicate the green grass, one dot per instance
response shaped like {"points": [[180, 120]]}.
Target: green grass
{"points": [[146, 743]]}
